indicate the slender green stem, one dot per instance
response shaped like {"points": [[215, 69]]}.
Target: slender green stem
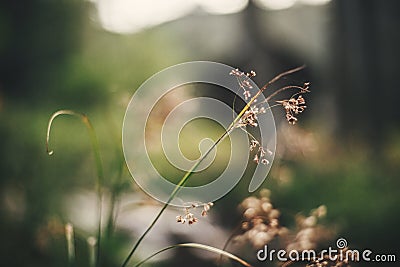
{"points": [[181, 183], [100, 201], [99, 165], [185, 178], [115, 192]]}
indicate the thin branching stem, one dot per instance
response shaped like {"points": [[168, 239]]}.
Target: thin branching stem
{"points": [[279, 76], [114, 198], [92, 136], [302, 89]]}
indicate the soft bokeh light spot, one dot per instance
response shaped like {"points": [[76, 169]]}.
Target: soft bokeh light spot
{"points": [[223, 6], [285, 4], [130, 16], [275, 4], [315, 2], [127, 16]]}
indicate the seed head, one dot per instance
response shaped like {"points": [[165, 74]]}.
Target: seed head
{"points": [[293, 106], [189, 216]]}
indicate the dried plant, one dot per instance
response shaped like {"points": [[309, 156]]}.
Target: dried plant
{"points": [[335, 260], [260, 223], [261, 220], [246, 117], [249, 116], [261, 226], [309, 234], [190, 217]]}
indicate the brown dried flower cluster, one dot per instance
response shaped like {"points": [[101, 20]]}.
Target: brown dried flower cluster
{"points": [[261, 223], [261, 227], [190, 217], [309, 232], [250, 117], [327, 261], [310, 235], [244, 81], [261, 153], [338, 259], [293, 106]]}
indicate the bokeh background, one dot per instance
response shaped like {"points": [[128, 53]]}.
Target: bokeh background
{"points": [[90, 56]]}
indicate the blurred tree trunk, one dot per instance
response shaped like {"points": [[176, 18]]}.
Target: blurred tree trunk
{"points": [[368, 41], [36, 39]]}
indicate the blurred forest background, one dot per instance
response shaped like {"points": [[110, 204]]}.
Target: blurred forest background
{"points": [[90, 56]]}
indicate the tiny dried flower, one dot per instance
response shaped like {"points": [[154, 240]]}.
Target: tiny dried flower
{"points": [[291, 119], [253, 144], [190, 217], [251, 74], [244, 81], [206, 208], [262, 153], [293, 106], [236, 73], [246, 94], [180, 219]]}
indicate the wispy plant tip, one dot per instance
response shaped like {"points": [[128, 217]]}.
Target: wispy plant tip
{"points": [[55, 115]]}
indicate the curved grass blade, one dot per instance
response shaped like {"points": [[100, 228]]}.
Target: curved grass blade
{"points": [[96, 152], [199, 246], [92, 136]]}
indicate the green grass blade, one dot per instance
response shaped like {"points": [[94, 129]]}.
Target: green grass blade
{"points": [[199, 246], [97, 156]]}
